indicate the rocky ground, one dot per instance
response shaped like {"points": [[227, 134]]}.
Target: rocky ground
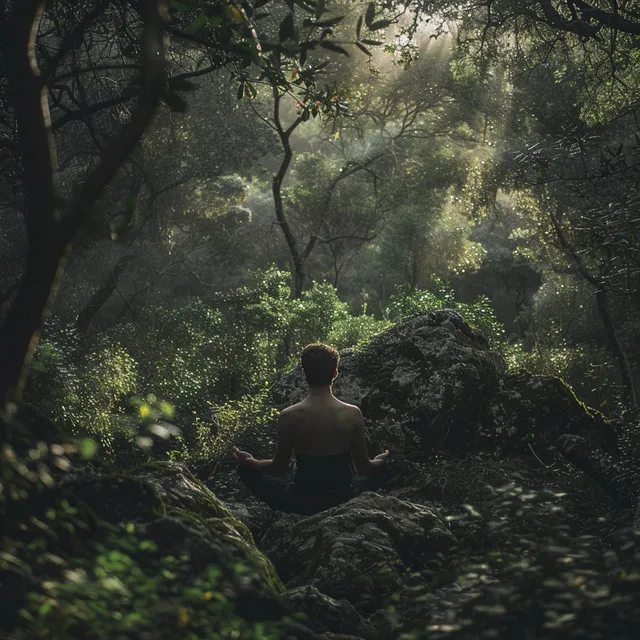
{"points": [[503, 520]]}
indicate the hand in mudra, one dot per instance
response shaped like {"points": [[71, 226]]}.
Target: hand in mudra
{"points": [[240, 456], [383, 456]]}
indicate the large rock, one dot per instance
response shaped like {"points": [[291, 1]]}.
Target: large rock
{"points": [[371, 551], [180, 514], [433, 383], [539, 409], [326, 614]]}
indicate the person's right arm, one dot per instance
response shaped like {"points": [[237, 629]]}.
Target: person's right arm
{"points": [[359, 454]]}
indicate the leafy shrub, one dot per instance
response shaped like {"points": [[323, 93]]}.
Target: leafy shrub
{"points": [[82, 387], [116, 592], [224, 424], [352, 330], [65, 574], [314, 315], [197, 354], [478, 314]]}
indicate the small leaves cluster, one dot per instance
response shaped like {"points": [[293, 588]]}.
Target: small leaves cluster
{"points": [[82, 387], [543, 581], [124, 587]]}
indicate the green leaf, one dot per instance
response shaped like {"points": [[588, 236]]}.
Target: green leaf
{"points": [[380, 24], [287, 29], [331, 46], [251, 91], [167, 408], [370, 14], [199, 23], [87, 448]]}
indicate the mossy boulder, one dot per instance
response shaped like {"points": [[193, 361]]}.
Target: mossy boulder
{"points": [[179, 513], [370, 551], [539, 409]]}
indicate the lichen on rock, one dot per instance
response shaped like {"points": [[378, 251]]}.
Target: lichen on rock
{"points": [[362, 551]]}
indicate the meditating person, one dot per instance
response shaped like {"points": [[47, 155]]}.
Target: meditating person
{"points": [[326, 435]]}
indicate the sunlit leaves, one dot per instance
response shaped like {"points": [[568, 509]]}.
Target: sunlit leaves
{"points": [[82, 389], [478, 314], [87, 448]]}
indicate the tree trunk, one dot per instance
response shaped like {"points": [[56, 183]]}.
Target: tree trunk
{"points": [[8, 292], [628, 386], [298, 279], [102, 295], [602, 301], [20, 331]]}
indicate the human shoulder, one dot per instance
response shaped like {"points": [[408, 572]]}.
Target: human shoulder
{"points": [[288, 416], [350, 409], [292, 410]]}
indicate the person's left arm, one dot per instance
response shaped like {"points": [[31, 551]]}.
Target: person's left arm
{"points": [[279, 464]]}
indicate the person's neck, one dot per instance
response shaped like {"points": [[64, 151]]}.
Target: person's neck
{"points": [[319, 392]]}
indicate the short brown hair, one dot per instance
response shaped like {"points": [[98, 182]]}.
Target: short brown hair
{"points": [[319, 362]]}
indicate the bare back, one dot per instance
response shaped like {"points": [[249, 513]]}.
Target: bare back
{"points": [[321, 426]]}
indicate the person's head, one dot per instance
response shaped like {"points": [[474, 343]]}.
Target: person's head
{"points": [[320, 364]]}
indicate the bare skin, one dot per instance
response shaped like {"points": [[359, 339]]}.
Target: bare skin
{"points": [[319, 425]]}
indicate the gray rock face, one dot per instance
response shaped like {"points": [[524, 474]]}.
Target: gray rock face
{"points": [[363, 551], [325, 614], [432, 383]]}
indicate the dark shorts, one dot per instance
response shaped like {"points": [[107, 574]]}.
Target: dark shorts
{"points": [[283, 495]]}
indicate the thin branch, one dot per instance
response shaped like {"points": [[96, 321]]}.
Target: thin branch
{"points": [[73, 38], [81, 114], [123, 143]]}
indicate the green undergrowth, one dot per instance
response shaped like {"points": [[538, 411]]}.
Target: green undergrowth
{"points": [[66, 572], [537, 579]]}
